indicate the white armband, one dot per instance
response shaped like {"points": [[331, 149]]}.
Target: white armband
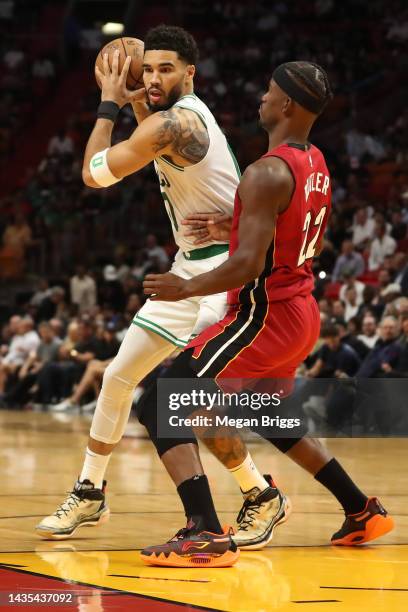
{"points": [[100, 171]]}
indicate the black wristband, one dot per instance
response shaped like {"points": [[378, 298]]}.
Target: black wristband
{"points": [[108, 110]]}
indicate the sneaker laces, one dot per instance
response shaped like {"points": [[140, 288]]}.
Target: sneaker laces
{"points": [[71, 502], [181, 534], [247, 514]]}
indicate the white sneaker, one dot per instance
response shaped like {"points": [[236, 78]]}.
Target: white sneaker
{"points": [[65, 406], [259, 515], [85, 505], [89, 407]]}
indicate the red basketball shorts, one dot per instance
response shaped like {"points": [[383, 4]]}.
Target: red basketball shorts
{"points": [[258, 341]]}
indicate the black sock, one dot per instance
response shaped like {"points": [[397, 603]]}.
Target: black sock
{"points": [[197, 501], [333, 477]]}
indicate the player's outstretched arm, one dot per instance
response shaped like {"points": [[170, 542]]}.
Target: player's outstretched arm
{"points": [[265, 190]]}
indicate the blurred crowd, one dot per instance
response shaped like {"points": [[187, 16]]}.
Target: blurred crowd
{"points": [[79, 255]]}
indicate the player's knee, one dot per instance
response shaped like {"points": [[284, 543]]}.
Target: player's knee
{"points": [[114, 376]]}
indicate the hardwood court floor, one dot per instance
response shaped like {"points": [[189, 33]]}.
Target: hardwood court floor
{"points": [[41, 455]]}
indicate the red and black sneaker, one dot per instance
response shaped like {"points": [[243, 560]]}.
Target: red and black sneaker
{"points": [[194, 547], [369, 524]]}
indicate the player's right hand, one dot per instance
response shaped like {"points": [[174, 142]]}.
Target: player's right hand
{"points": [[206, 227], [113, 82]]}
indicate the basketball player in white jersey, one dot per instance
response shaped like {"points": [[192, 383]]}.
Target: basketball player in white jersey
{"points": [[198, 174]]}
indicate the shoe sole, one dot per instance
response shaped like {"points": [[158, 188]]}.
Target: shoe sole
{"points": [[376, 527], [195, 560], [265, 542], [48, 534]]}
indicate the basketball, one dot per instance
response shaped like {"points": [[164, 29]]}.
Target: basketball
{"points": [[126, 46]]}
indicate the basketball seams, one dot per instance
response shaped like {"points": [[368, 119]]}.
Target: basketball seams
{"points": [[121, 45], [135, 81]]}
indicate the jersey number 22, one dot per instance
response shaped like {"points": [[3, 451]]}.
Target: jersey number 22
{"points": [[308, 248]]}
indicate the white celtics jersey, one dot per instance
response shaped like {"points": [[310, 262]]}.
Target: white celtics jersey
{"points": [[208, 186]]}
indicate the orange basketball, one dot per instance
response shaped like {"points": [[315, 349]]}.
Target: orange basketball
{"points": [[126, 46]]}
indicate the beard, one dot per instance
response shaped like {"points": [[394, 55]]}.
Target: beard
{"points": [[172, 97]]}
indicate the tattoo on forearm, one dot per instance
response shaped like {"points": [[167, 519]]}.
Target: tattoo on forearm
{"points": [[186, 134]]}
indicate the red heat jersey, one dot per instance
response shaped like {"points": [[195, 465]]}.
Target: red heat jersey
{"points": [[288, 265]]}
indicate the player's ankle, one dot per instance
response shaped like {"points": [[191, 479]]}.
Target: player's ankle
{"points": [[248, 476]]}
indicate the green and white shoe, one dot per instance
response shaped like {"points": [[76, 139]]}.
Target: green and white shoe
{"points": [[85, 505]]}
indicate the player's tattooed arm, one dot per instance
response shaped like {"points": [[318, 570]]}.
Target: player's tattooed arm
{"points": [[183, 135]]}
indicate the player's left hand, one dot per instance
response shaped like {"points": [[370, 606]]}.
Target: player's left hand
{"points": [[166, 287], [113, 82], [205, 227]]}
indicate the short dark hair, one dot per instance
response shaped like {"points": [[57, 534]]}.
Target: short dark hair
{"points": [[330, 330], [312, 78], [172, 38]]}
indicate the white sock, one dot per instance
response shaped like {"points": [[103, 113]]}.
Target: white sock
{"points": [[247, 476], [94, 468]]}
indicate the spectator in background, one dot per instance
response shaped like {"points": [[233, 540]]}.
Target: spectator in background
{"points": [[111, 293], [60, 144], [382, 245], [349, 335], [338, 309], [157, 256], [22, 344], [334, 358], [348, 263], [324, 306], [53, 306], [369, 331], [363, 228], [92, 377], [350, 282], [385, 352], [390, 294], [384, 280], [83, 290], [57, 378], [399, 227], [43, 291], [371, 304], [400, 367], [351, 303], [46, 351], [17, 238], [8, 332], [399, 268], [58, 327]]}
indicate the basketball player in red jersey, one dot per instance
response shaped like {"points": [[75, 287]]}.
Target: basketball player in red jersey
{"points": [[281, 210]]}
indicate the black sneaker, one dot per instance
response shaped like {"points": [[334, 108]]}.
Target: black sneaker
{"points": [[369, 524], [194, 547]]}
